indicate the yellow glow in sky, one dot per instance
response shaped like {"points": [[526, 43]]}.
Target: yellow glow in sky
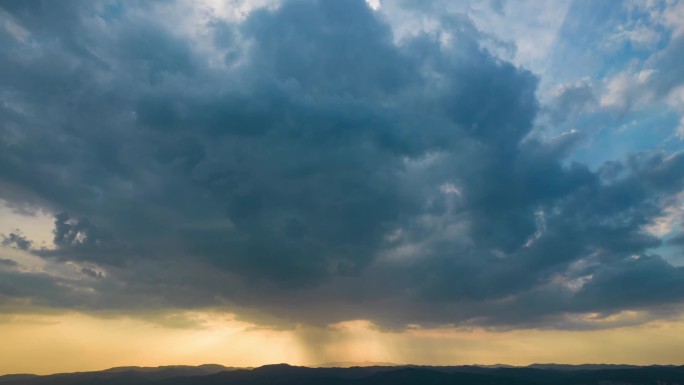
{"points": [[37, 227], [78, 342]]}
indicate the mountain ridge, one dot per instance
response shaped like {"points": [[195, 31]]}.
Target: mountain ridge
{"points": [[285, 374]]}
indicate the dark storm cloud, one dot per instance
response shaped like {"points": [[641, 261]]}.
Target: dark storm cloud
{"points": [[44, 290], [91, 273], [571, 101], [322, 172], [677, 240], [8, 262], [16, 240]]}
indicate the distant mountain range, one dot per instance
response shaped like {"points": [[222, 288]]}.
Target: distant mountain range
{"points": [[351, 364], [120, 375], [366, 373]]}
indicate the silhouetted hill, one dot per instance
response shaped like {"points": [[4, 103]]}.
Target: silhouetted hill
{"points": [[408, 376], [581, 366], [130, 375], [12, 377], [283, 374], [351, 364], [201, 369]]}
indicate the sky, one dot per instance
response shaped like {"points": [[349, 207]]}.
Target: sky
{"points": [[246, 182]]}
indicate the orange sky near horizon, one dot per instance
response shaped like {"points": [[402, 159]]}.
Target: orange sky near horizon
{"points": [[43, 344]]}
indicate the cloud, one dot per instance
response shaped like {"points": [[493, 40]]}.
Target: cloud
{"points": [[304, 176], [16, 240], [91, 273], [8, 262], [677, 240]]}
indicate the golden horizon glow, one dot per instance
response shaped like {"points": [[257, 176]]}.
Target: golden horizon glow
{"points": [[53, 343]]}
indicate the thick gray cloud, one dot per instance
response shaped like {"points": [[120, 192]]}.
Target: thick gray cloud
{"points": [[320, 172], [678, 240], [8, 262], [17, 240]]}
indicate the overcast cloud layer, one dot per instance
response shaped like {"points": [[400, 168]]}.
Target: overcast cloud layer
{"points": [[314, 162]]}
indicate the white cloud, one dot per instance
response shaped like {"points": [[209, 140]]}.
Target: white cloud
{"points": [[374, 4], [675, 99], [531, 25], [17, 31], [450, 188], [627, 89], [674, 19], [672, 216]]}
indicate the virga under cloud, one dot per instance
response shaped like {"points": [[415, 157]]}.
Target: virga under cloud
{"points": [[307, 161]]}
